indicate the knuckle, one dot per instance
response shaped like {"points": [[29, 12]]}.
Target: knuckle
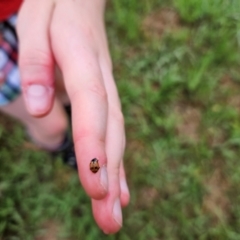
{"points": [[81, 134], [114, 168], [87, 31], [86, 134], [36, 57], [98, 90], [117, 115], [92, 90], [36, 66]]}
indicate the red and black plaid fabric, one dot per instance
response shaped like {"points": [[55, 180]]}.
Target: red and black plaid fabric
{"points": [[10, 87]]}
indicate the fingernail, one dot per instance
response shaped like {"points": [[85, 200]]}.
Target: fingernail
{"points": [[38, 97], [123, 186], [104, 178], [117, 212]]}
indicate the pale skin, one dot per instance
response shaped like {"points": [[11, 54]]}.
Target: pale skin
{"points": [[71, 34]]}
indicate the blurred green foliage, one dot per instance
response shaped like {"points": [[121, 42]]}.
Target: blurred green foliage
{"points": [[180, 97]]}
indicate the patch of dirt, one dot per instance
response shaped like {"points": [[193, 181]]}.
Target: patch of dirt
{"points": [[227, 82], [234, 101], [147, 197], [231, 89], [159, 22], [188, 123], [216, 202], [50, 231], [215, 136]]}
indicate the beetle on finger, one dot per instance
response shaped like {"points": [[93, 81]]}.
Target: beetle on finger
{"points": [[94, 165]]}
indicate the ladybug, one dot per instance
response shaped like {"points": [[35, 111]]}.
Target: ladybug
{"points": [[94, 166]]}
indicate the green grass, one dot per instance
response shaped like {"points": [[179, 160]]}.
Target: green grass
{"points": [[180, 97]]}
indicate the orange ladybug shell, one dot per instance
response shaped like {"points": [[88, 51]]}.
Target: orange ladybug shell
{"points": [[94, 165]]}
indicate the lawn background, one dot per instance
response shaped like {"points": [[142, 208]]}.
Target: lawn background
{"points": [[177, 67]]}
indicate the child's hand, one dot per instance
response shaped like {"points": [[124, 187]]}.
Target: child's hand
{"points": [[71, 34]]}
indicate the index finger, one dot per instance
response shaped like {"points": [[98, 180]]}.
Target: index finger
{"points": [[89, 109], [86, 90]]}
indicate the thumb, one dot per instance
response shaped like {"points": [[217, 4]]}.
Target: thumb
{"points": [[35, 58]]}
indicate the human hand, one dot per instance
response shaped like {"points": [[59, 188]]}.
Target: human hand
{"points": [[72, 34]]}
